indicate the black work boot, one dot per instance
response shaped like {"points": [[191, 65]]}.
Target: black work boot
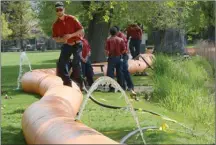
{"points": [[68, 84]]}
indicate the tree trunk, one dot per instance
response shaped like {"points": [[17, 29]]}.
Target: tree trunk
{"points": [[18, 43], [211, 33], [97, 34], [171, 41], [158, 37], [21, 44]]}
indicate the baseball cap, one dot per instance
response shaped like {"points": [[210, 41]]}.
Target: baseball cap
{"points": [[59, 5]]}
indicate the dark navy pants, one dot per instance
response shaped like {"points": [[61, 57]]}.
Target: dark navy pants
{"points": [[63, 64], [88, 72], [134, 47], [114, 62], [126, 74]]}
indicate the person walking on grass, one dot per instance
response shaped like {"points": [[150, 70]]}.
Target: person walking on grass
{"points": [[134, 32], [86, 63], [126, 73], [114, 48], [68, 30]]}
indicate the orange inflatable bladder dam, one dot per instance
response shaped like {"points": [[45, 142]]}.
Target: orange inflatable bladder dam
{"points": [[51, 71], [53, 123], [86, 135], [141, 66], [48, 82], [132, 66], [62, 101], [48, 108], [130, 61], [40, 70], [72, 96], [30, 81], [52, 119], [67, 131], [148, 58], [43, 112]]}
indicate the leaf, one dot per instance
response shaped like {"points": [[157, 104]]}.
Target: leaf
{"points": [[171, 3], [106, 18], [164, 127], [67, 1]]}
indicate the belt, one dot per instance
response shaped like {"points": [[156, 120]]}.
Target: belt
{"points": [[114, 55], [73, 43]]}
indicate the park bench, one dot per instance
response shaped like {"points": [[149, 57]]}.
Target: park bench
{"points": [[101, 68]]}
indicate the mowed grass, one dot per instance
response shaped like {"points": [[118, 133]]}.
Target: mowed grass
{"points": [[112, 123]]}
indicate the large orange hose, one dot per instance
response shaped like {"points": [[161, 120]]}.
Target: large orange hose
{"points": [[51, 120]]}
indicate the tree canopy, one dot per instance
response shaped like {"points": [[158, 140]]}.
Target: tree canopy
{"points": [[190, 17], [21, 18], [5, 28]]}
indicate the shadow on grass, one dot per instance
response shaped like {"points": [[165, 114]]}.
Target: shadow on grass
{"points": [[150, 137], [159, 137], [11, 93], [18, 111], [12, 135]]}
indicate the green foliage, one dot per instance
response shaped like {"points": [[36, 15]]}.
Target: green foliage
{"points": [[5, 28], [208, 9], [191, 16], [46, 16], [22, 19], [181, 86]]}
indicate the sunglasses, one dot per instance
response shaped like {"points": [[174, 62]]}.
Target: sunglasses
{"points": [[59, 9]]}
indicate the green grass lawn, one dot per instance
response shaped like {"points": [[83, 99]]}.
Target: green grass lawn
{"points": [[113, 123]]}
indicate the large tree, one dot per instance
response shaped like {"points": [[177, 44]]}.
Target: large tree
{"points": [[98, 27], [21, 20]]}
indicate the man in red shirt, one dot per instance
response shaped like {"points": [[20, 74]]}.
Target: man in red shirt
{"points": [[115, 47], [86, 63], [135, 33], [68, 30], [126, 73]]}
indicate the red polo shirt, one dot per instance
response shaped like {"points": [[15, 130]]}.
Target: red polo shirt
{"points": [[67, 26], [123, 36], [115, 46], [134, 31], [86, 48]]}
